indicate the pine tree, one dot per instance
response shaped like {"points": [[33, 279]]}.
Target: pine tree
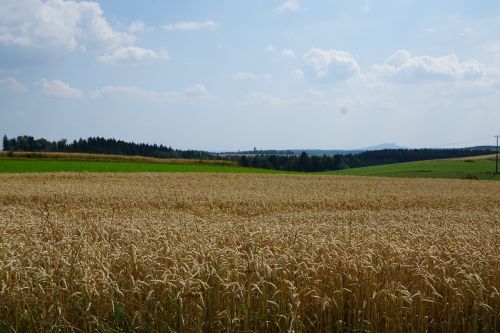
{"points": [[5, 143], [304, 162]]}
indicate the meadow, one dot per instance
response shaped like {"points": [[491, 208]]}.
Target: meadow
{"points": [[41, 165], [192, 252], [479, 167]]}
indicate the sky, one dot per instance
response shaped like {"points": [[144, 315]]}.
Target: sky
{"points": [[237, 74]]}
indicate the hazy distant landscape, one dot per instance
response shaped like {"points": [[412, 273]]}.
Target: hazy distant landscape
{"points": [[27, 154]]}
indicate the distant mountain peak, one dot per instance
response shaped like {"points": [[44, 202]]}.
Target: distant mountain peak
{"points": [[384, 146]]}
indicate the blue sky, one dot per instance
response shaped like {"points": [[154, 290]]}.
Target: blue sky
{"points": [[229, 75]]}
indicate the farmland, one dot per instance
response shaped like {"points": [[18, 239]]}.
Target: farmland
{"points": [[245, 252], [479, 167], [51, 164]]}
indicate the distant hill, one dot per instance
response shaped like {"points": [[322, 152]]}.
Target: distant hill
{"points": [[326, 152], [383, 146], [318, 152], [332, 152], [483, 147], [350, 151]]}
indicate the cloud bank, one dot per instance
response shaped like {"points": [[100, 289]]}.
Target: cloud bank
{"points": [[404, 67], [64, 25], [192, 26], [330, 64], [133, 54], [58, 89], [12, 85], [289, 6]]}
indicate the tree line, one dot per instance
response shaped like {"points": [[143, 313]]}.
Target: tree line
{"points": [[315, 163], [292, 162], [97, 145]]}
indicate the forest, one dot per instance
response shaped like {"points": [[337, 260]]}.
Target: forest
{"points": [[97, 145], [316, 163]]}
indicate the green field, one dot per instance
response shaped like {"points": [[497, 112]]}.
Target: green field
{"points": [[53, 165], [467, 168], [472, 168]]}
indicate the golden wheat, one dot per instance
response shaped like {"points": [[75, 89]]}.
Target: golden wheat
{"points": [[207, 252]]}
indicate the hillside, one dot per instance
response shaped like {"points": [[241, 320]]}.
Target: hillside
{"points": [[479, 167]]}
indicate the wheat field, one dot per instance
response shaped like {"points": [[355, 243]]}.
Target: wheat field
{"points": [[247, 253]]}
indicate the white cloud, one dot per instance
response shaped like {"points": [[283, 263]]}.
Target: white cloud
{"points": [[198, 90], [288, 53], [270, 48], [12, 85], [403, 66], [133, 54], [331, 64], [64, 25], [289, 6], [58, 89], [398, 58], [138, 27], [192, 26], [243, 76], [193, 93]]}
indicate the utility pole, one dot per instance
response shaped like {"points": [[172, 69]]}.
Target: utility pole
{"points": [[496, 165]]}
